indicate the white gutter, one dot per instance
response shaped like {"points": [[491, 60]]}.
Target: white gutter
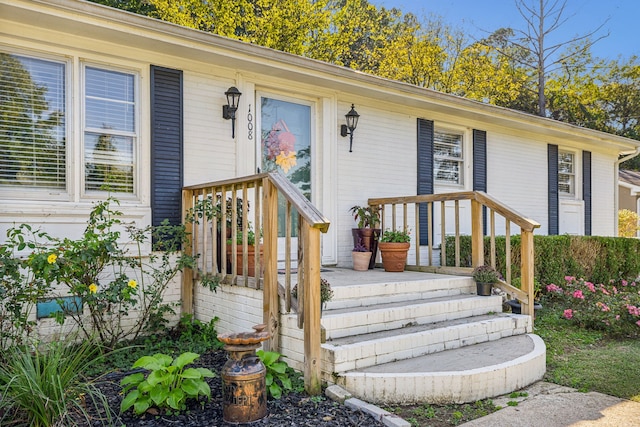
{"points": [[616, 191]]}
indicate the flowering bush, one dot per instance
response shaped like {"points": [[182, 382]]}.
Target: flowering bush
{"points": [[110, 279], [614, 307]]}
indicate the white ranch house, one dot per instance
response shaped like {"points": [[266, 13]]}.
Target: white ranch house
{"points": [[142, 103]]}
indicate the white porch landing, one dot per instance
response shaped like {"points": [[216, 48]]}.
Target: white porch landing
{"points": [[418, 337]]}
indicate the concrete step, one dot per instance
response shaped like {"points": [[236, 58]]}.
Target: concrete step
{"points": [[394, 289], [459, 375], [395, 315], [359, 351]]}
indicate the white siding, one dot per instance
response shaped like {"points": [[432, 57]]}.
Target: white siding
{"points": [[383, 163], [517, 175], [603, 183], [209, 153]]}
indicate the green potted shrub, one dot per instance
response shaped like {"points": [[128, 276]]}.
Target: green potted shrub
{"points": [[394, 246], [367, 220], [485, 276]]}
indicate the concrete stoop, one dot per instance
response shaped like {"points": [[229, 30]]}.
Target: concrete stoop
{"points": [[420, 338], [462, 375]]}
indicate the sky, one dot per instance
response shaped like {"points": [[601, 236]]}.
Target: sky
{"points": [[478, 18]]}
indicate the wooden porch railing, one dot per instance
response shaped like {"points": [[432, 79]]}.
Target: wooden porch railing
{"points": [[397, 212], [237, 208]]}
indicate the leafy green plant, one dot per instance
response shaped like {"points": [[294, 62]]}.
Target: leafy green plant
{"points": [[365, 216], [396, 236], [19, 287], [278, 373], [45, 386], [326, 293], [168, 384]]}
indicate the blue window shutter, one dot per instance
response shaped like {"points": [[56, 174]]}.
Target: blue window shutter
{"points": [[586, 190], [480, 168], [166, 145], [552, 160], [425, 172]]}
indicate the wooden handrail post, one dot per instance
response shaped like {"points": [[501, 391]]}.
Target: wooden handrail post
{"points": [[187, 273], [312, 329], [477, 237], [270, 312], [527, 278]]}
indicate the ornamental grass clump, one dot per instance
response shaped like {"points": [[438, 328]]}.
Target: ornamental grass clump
{"points": [[613, 307], [45, 385]]}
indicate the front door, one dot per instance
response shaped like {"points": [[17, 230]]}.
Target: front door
{"points": [[285, 129]]}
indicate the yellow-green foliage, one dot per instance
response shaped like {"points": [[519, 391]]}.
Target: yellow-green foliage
{"points": [[628, 223]]}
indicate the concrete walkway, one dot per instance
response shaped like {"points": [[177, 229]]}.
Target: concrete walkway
{"points": [[551, 405]]}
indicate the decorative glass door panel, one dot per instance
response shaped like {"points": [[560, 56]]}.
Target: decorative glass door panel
{"points": [[286, 146]]}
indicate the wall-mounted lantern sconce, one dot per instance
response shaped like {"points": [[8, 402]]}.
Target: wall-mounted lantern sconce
{"points": [[352, 122], [229, 110]]}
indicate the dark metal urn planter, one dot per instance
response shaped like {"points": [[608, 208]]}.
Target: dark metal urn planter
{"points": [[244, 391], [516, 307]]}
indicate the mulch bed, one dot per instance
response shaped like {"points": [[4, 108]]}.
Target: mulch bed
{"points": [[293, 409]]}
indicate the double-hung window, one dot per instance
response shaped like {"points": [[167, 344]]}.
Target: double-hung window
{"points": [[566, 173], [448, 158], [37, 146], [32, 123], [109, 130]]}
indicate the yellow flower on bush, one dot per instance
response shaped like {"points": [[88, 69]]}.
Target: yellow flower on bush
{"points": [[51, 259], [132, 284], [93, 288]]}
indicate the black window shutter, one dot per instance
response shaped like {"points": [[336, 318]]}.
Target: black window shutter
{"points": [[425, 172], [166, 145], [552, 160], [586, 190], [480, 168]]}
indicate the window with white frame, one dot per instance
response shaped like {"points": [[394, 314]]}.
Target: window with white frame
{"points": [[34, 94], [448, 157], [109, 130], [566, 173], [32, 123]]}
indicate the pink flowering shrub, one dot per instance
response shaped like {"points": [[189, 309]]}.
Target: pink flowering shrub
{"points": [[613, 307]]}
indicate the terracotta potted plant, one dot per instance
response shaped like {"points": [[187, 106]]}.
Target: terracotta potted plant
{"points": [[251, 249], [361, 257], [367, 219], [394, 246], [485, 276]]}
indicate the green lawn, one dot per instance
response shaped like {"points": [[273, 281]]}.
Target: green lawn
{"points": [[588, 360]]}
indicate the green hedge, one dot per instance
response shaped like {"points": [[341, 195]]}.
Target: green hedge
{"points": [[596, 259]]}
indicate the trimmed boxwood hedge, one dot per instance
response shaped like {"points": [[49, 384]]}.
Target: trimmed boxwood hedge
{"points": [[594, 258]]}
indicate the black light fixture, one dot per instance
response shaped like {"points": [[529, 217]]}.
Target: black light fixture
{"points": [[229, 110], [352, 122]]}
